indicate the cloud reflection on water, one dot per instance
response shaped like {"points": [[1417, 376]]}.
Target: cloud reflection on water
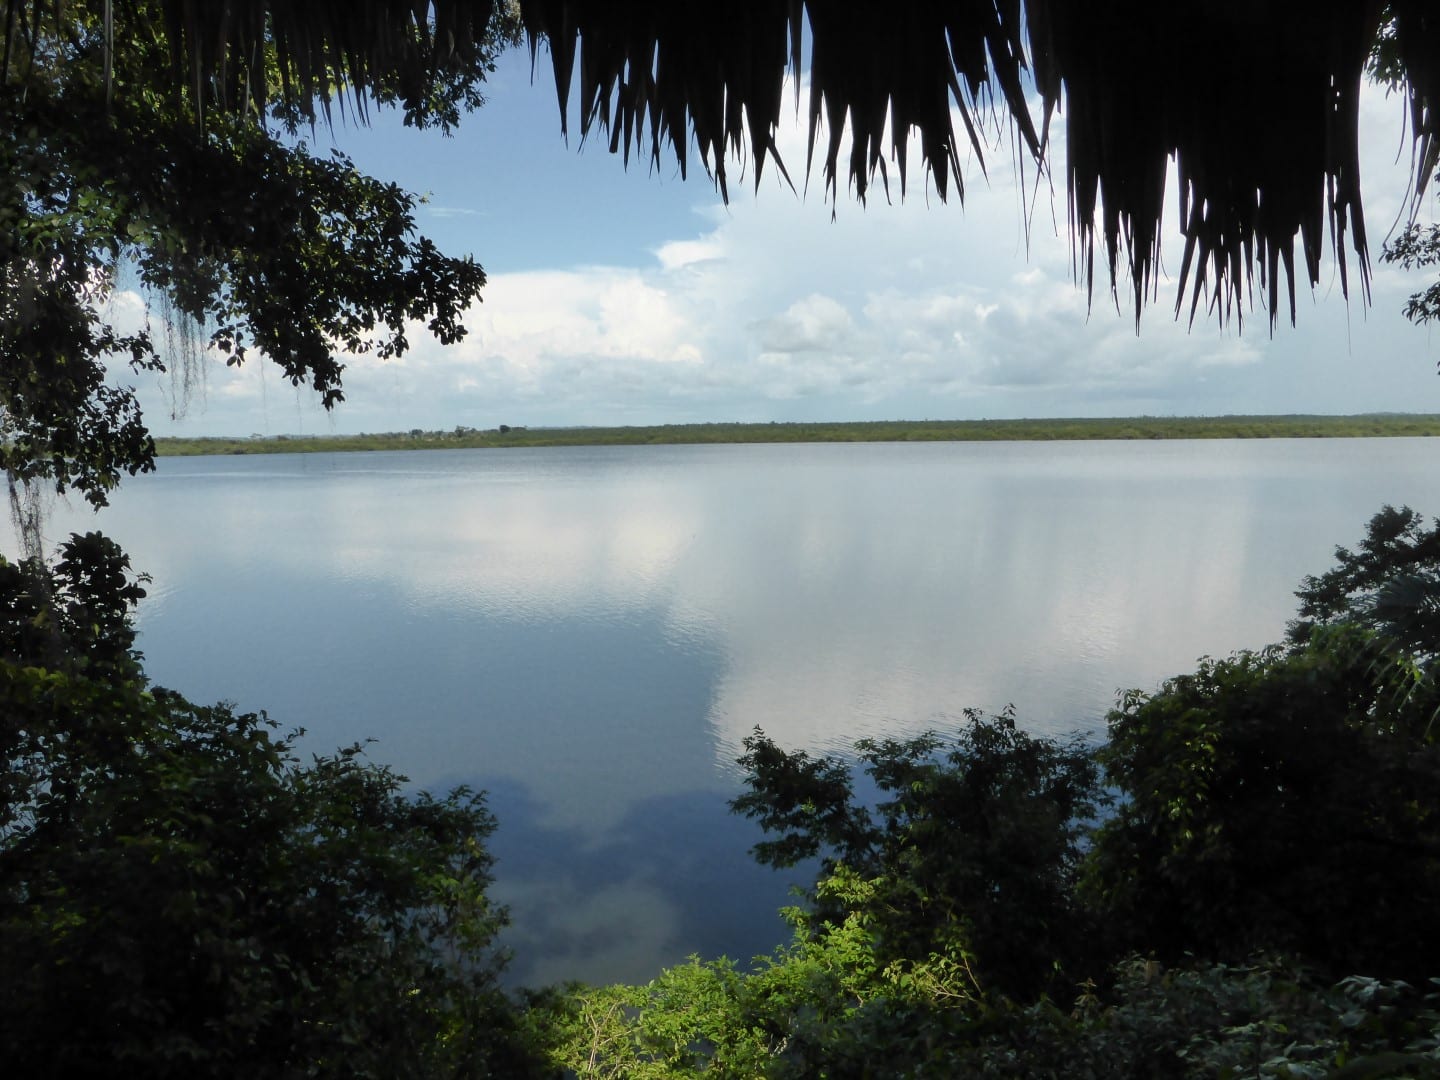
{"points": [[844, 590], [847, 592], [591, 633]]}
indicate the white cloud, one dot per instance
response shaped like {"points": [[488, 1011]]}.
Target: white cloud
{"points": [[771, 310], [813, 324], [679, 254]]}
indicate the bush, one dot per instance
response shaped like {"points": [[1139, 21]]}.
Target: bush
{"points": [[1271, 867], [181, 896], [973, 848], [1285, 801]]}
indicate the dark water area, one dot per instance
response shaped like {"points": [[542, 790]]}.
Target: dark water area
{"points": [[589, 633]]}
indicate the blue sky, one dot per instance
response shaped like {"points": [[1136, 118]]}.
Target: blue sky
{"points": [[631, 297]]}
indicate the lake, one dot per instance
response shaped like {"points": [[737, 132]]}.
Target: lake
{"points": [[590, 633]]}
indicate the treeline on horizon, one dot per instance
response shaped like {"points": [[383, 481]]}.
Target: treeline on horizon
{"points": [[1297, 426]]}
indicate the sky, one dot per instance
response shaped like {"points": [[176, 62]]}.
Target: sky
{"points": [[631, 296]]}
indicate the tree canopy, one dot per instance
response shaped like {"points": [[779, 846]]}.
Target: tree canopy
{"points": [[245, 239], [182, 895]]}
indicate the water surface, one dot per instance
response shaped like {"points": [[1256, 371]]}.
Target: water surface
{"points": [[589, 633]]}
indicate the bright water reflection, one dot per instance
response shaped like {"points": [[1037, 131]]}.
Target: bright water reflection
{"points": [[589, 633]]}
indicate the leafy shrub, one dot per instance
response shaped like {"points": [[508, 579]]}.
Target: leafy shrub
{"points": [[181, 896], [1288, 801], [972, 850], [1215, 1020], [1282, 804]]}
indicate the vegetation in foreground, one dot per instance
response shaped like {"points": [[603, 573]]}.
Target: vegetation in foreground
{"points": [[181, 896], [1368, 425], [1237, 883], [1241, 881]]}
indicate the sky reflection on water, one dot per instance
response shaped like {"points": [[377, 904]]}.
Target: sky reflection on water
{"points": [[590, 633]]}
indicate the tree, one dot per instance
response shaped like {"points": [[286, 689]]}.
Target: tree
{"points": [[179, 893], [1391, 584], [905, 959], [1418, 247], [181, 896], [245, 240], [949, 897], [1258, 902], [970, 855], [1211, 1020], [1288, 800]]}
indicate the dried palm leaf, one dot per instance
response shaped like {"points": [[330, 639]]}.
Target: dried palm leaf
{"points": [[1250, 105]]}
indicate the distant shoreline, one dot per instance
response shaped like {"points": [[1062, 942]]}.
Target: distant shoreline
{"points": [[1365, 425]]}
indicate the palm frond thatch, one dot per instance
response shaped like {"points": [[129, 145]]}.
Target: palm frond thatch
{"points": [[1255, 102], [1257, 105], [241, 54], [657, 73]]}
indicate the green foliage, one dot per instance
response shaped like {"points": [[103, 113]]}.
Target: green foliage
{"points": [[1283, 804], [181, 896], [1285, 801], [1200, 1022], [1418, 247], [1390, 583], [1289, 800], [821, 1006], [972, 851], [248, 242], [680, 1024], [75, 617], [953, 889]]}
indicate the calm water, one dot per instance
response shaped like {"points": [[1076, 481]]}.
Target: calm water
{"points": [[590, 633]]}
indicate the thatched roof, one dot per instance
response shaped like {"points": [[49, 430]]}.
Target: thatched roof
{"points": [[1255, 101]]}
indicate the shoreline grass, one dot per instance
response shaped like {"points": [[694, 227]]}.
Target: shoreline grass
{"points": [[1365, 425]]}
